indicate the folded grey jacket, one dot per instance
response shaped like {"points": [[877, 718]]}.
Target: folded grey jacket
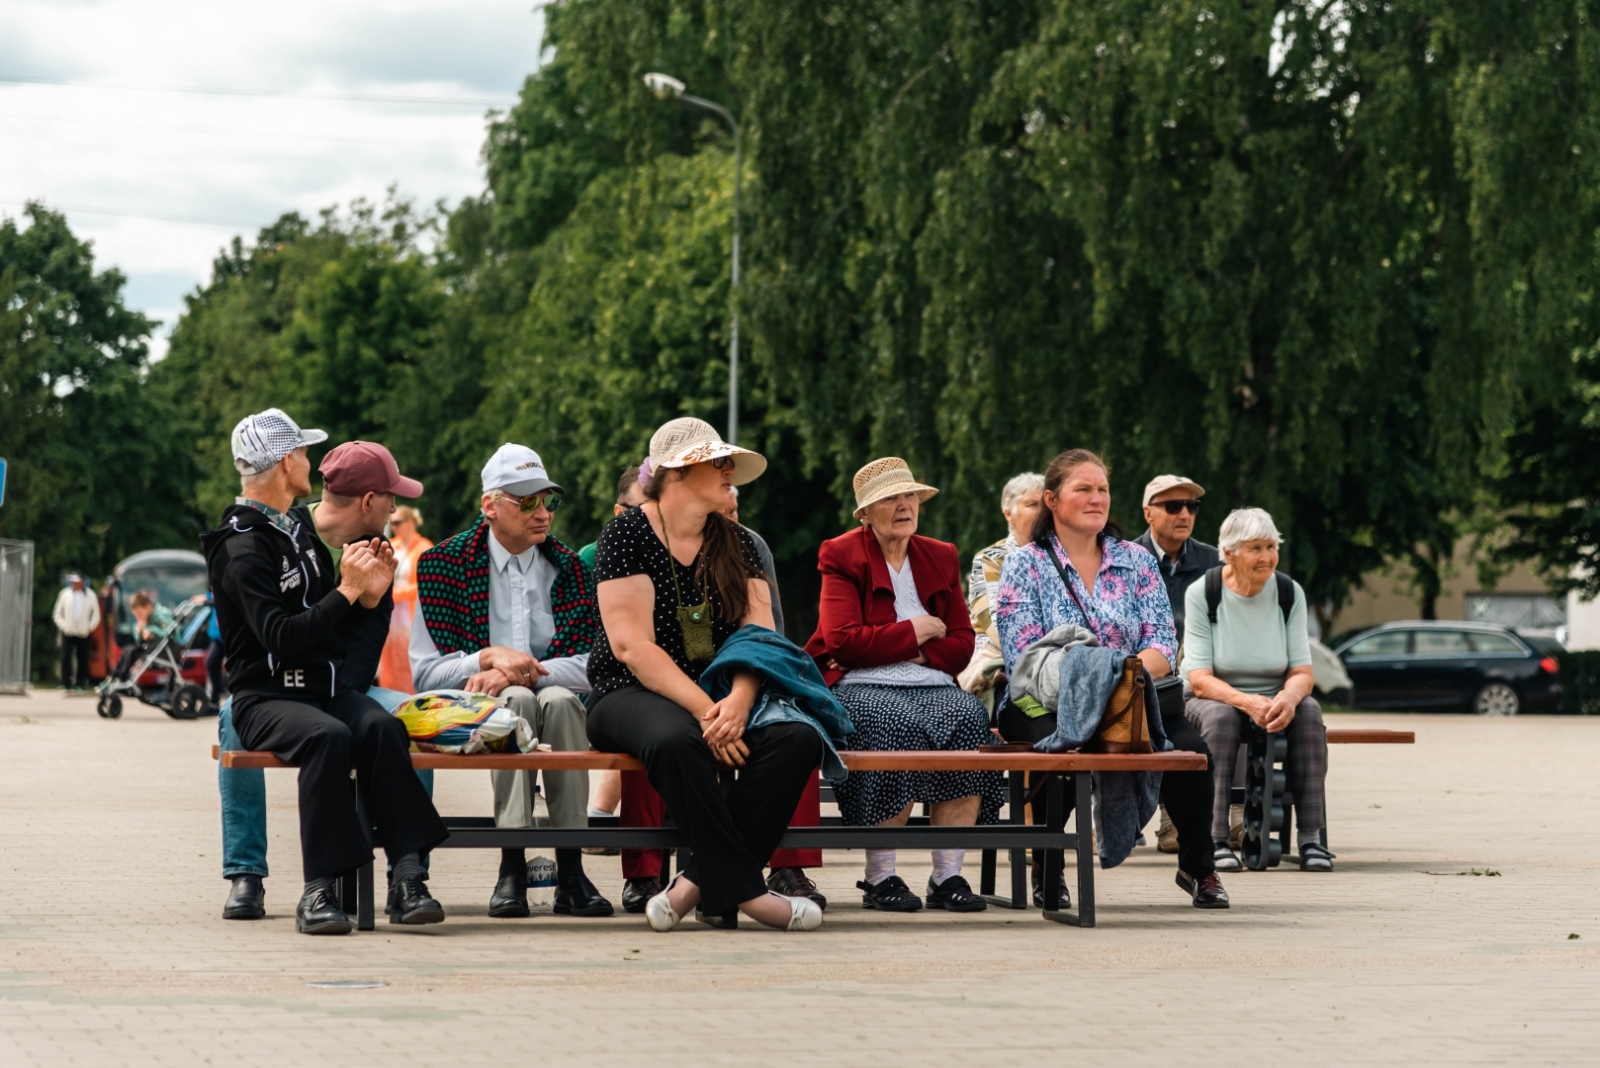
{"points": [[1070, 671]]}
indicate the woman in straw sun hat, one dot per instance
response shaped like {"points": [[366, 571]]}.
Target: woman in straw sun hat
{"points": [[675, 579], [892, 633]]}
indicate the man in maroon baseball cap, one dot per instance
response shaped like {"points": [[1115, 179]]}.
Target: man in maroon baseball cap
{"points": [[357, 468]]}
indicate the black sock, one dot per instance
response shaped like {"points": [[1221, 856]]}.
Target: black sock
{"points": [[406, 867], [568, 862], [324, 883], [513, 862]]}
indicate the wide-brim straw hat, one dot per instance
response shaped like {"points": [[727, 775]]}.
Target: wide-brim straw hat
{"points": [[887, 477], [688, 441]]}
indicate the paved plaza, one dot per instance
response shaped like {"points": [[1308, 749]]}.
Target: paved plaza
{"points": [[113, 951]]}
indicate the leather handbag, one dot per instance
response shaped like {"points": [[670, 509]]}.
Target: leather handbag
{"points": [[1124, 725]]}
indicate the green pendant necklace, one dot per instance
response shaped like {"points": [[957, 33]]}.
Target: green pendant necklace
{"points": [[694, 620]]}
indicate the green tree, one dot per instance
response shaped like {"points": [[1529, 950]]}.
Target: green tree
{"points": [[94, 470]]}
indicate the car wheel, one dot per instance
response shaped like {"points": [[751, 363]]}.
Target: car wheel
{"points": [[1497, 699]]}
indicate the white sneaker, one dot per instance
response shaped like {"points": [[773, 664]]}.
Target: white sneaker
{"points": [[804, 914], [658, 911]]}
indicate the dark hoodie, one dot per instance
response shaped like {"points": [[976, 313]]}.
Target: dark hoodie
{"points": [[284, 623]]}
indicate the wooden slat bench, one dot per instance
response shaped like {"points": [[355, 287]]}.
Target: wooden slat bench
{"points": [[1341, 736], [1015, 835]]}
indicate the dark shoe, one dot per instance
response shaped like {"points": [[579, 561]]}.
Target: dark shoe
{"points": [[577, 896], [1315, 857], [410, 904], [247, 900], [1225, 858], [510, 899], [1038, 888], [319, 914], [793, 882], [954, 895], [891, 895], [1206, 891], [636, 893]]}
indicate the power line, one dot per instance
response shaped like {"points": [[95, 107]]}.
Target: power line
{"points": [[198, 220], [218, 131], [363, 98]]}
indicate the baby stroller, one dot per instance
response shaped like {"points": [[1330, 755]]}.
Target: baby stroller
{"points": [[172, 693]]}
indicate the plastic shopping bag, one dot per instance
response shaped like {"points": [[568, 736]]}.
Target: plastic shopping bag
{"points": [[455, 721]]}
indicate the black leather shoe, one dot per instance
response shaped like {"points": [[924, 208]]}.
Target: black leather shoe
{"points": [[577, 896], [1038, 888], [793, 882], [410, 904], [1206, 891], [636, 893], [954, 895], [510, 899], [247, 900], [319, 913], [891, 895]]}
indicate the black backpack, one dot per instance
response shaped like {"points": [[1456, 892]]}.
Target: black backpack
{"points": [[1213, 582]]}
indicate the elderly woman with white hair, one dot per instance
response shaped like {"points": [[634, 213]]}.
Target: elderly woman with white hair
{"points": [[1019, 504], [1246, 661]]}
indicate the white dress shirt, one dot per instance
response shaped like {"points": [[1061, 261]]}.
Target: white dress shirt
{"points": [[519, 618]]}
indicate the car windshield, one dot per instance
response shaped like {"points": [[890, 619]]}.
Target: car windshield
{"points": [[1384, 643]]}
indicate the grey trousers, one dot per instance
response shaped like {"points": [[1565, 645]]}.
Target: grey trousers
{"points": [[558, 718], [1223, 726]]}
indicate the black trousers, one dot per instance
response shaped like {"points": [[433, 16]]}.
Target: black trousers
{"points": [[1187, 794], [351, 731], [732, 830], [74, 647]]}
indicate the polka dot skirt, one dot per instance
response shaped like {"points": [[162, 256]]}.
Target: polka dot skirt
{"points": [[914, 717]]}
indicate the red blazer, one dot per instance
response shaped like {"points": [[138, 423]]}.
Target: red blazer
{"points": [[856, 625]]}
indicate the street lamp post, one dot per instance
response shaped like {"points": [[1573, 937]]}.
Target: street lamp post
{"points": [[666, 87]]}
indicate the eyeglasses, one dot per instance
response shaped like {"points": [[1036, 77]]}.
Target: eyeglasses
{"points": [[1174, 507], [526, 505], [723, 463]]}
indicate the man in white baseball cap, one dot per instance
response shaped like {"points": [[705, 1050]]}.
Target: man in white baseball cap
{"points": [[508, 610]]}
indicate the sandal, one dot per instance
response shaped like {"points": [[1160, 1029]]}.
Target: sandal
{"points": [[1314, 856], [1225, 858]]}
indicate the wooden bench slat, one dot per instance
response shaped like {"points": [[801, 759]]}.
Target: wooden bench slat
{"points": [[856, 761], [1372, 736]]}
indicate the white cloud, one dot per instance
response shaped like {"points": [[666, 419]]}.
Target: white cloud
{"points": [[242, 160]]}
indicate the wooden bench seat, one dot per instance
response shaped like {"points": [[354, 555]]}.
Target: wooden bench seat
{"points": [[1014, 835]]}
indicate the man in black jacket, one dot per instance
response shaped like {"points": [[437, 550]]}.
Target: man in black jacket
{"points": [[287, 623]]}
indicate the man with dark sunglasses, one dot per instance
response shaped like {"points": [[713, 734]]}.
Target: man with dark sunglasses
{"points": [[510, 611], [1171, 503]]}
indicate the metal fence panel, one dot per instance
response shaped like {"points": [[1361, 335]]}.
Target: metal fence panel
{"points": [[16, 614]]}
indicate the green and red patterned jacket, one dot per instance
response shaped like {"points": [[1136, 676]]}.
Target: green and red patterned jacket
{"points": [[453, 594]]}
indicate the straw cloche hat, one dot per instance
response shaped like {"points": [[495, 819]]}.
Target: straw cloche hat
{"points": [[686, 441], [887, 477]]}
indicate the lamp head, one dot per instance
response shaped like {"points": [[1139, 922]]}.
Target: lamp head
{"points": [[665, 86]]}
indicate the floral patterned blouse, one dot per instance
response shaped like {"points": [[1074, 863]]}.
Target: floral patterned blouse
{"points": [[1128, 610]]}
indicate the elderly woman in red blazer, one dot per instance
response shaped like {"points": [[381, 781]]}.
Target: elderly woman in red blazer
{"points": [[892, 635]]}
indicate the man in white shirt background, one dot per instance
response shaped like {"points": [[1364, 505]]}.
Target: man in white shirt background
{"points": [[76, 615], [510, 611]]}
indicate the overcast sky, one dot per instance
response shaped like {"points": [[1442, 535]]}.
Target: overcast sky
{"points": [[218, 164]]}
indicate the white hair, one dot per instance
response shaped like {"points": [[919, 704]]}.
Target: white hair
{"points": [[1247, 524], [249, 480], [1014, 489]]}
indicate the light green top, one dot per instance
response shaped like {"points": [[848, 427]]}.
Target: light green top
{"points": [[1250, 649]]}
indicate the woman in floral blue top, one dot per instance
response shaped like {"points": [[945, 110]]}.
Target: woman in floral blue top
{"points": [[1117, 593]]}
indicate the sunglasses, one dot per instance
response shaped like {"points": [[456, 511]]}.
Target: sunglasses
{"points": [[723, 463], [1174, 507], [526, 505]]}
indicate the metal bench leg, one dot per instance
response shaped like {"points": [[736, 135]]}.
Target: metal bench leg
{"points": [[1016, 799], [1083, 848], [364, 893]]}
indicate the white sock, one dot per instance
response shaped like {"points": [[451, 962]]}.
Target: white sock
{"points": [[947, 862], [593, 811], [880, 865], [1305, 838]]}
